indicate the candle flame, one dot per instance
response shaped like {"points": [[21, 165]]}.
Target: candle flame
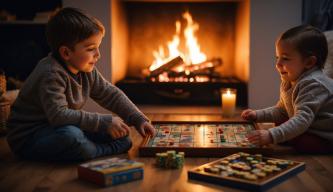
{"points": [[228, 92]]}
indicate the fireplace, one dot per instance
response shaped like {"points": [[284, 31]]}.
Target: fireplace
{"points": [[180, 52]]}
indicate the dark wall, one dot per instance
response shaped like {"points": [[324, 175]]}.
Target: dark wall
{"points": [[21, 47], [22, 41], [26, 10]]}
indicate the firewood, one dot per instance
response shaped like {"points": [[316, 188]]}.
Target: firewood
{"points": [[167, 66], [209, 64]]}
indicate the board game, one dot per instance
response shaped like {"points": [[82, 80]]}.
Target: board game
{"points": [[245, 171], [205, 139]]}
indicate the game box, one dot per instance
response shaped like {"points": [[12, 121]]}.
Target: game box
{"points": [[201, 139], [112, 171], [246, 171]]}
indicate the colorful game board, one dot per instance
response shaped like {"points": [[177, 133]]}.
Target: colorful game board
{"points": [[245, 171], [200, 138]]}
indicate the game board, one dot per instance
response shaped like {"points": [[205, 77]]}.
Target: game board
{"points": [[200, 138], [245, 171]]}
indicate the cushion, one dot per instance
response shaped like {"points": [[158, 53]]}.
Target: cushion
{"points": [[328, 68]]}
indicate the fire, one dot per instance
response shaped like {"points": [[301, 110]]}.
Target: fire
{"points": [[192, 55]]}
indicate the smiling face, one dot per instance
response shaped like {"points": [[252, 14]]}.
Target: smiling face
{"points": [[84, 55], [290, 63]]}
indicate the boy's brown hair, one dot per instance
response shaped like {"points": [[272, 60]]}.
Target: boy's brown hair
{"points": [[309, 41], [70, 26]]}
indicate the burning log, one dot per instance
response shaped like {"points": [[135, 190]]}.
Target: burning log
{"points": [[204, 68], [167, 66], [209, 64], [177, 70]]}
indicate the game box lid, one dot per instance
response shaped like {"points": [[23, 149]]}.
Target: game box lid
{"points": [[111, 165]]}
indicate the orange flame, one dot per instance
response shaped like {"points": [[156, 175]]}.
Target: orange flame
{"points": [[192, 55]]}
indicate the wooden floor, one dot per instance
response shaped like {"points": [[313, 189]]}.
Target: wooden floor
{"points": [[21, 176]]}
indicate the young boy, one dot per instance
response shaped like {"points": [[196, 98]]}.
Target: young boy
{"points": [[305, 108], [47, 121]]}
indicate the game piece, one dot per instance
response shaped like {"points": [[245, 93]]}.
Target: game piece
{"points": [[225, 162], [239, 171], [258, 157], [112, 171], [210, 139], [170, 159]]}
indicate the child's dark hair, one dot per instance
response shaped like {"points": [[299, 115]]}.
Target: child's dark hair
{"points": [[309, 41], [70, 26]]}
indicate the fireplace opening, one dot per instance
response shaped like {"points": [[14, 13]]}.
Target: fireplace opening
{"points": [[180, 53]]}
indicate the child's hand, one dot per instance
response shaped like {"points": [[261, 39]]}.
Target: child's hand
{"points": [[249, 115], [146, 128], [260, 137], [118, 128]]}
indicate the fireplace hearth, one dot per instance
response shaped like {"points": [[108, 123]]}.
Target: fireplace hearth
{"points": [[141, 91], [181, 52]]}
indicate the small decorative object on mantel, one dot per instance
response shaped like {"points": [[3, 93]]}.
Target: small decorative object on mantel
{"points": [[6, 16]]}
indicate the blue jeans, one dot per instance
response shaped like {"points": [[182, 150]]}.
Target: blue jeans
{"points": [[70, 143]]}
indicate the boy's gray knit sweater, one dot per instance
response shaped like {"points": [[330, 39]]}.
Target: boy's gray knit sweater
{"points": [[52, 97], [308, 105]]}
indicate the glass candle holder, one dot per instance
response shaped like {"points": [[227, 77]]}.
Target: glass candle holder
{"points": [[228, 97]]}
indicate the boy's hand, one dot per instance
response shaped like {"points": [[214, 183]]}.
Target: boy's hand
{"points": [[249, 115], [260, 137], [118, 128], [146, 129]]}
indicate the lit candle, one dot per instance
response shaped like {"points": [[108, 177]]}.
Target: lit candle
{"points": [[228, 102]]}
